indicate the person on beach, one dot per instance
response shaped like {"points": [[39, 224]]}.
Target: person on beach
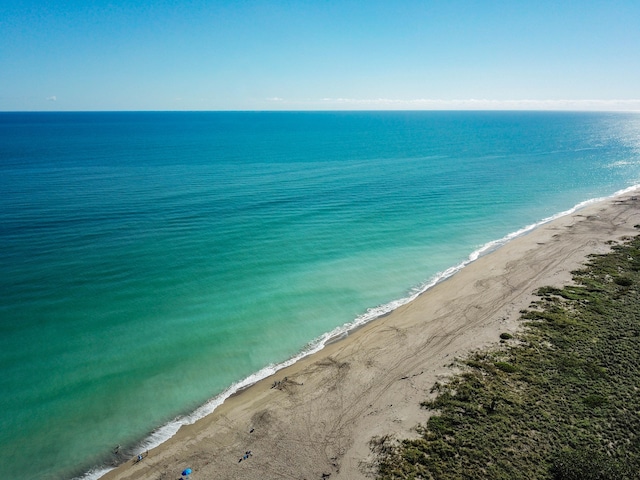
{"points": [[141, 456]]}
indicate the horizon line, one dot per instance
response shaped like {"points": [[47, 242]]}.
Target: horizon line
{"points": [[329, 110], [275, 103]]}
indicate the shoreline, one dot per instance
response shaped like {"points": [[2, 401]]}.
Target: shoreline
{"points": [[330, 403]]}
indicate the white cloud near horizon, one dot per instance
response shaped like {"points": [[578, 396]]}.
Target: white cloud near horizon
{"points": [[463, 104]]}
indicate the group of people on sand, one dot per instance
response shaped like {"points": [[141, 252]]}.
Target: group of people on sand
{"points": [[246, 455], [278, 383], [117, 451]]}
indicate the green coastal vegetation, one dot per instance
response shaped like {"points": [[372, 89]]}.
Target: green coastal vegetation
{"points": [[559, 400]]}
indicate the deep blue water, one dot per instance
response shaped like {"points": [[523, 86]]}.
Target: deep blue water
{"points": [[151, 261]]}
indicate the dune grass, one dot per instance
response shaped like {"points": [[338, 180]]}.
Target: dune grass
{"points": [[560, 400]]}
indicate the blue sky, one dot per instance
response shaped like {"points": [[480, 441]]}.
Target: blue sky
{"points": [[319, 55]]}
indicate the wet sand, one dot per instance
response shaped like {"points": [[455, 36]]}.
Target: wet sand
{"points": [[318, 416]]}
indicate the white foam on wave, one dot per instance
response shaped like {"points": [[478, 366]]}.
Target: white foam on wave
{"points": [[94, 474], [168, 430], [622, 163]]}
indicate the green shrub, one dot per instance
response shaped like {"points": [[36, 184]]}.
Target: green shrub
{"points": [[594, 401], [624, 281], [588, 465], [506, 367]]}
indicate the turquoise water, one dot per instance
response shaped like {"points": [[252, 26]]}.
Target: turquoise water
{"points": [[152, 261]]}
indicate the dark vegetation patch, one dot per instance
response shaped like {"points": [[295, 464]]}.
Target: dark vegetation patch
{"points": [[561, 403]]}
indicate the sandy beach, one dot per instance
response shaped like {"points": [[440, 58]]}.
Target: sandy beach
{"points": [[315, 419]]}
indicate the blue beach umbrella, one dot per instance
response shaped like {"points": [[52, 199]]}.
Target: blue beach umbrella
{"points": [[186, 472]]}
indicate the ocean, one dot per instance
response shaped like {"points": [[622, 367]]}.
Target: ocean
{"points": [[152, 263]]}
